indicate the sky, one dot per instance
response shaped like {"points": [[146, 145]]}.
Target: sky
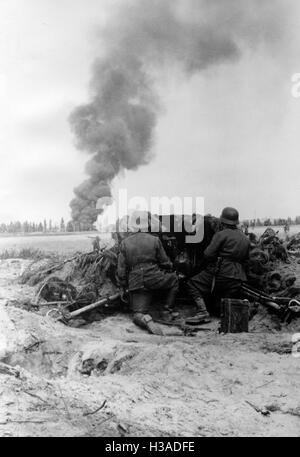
{"points": [[229, 134]]}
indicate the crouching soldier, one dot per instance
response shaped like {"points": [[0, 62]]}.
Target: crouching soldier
{"points": [[224, 271], [144, 267]]}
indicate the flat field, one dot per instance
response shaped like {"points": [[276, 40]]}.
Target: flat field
{"points": [[70, 243], [64, 244]]}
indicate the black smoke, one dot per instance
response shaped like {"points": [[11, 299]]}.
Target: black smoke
{"points": [[142, 36]]}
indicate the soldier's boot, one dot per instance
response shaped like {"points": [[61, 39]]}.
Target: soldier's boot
{"points": [[170, 300], [145, 321], [201, 315], [169, 313]]}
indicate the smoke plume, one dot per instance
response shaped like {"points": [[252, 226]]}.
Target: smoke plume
{"points": [[116, 127]]}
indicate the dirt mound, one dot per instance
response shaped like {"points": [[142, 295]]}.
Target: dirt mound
{"points": [[110, 378], [113, 379]]}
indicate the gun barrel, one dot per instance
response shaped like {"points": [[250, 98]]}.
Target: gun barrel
{"points": [[267, 300], [284, 300], [255, 293], [98, 303]]}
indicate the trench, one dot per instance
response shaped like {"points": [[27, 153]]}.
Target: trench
{"points": [[66, 357], [40, 360]]}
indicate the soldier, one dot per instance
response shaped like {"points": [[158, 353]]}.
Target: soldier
{"points": [[96, 244], [286, 231], [224, 270], [143, 267]]}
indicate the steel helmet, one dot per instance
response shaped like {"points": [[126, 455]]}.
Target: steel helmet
{"points": [[230, 216]]}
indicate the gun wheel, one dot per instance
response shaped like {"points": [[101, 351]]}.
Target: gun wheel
{"points": [[54, 314]]}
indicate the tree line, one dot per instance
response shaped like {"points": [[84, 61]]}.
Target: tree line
{"points": [[71, 226], [271, 222], [43, 227]]}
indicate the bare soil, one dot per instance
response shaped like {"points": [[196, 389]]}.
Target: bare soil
{"points": [[110, 378]]}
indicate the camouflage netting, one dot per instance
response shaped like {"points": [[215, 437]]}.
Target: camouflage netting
{"points": [[293, 245], [84, 277], [272, 266]]}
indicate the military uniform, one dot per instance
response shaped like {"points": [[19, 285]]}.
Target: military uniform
{"points": [[142, 266], [224, 272], [96, 244]]}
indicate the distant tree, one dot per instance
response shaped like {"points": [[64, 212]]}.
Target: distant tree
{"points": [[62, 225], [70, 226], [18, 227], [40, 227], [25, 227], [267, 222], [45, 225]]}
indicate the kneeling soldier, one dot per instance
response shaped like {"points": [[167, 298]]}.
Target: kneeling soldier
{"points": [[224, 273], [144, 267]]}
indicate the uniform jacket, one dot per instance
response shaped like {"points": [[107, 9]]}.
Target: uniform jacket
{"points": [[233, 247], [140, 261]]}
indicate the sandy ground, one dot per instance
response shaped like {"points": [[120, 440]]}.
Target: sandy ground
{"points": [[112, 379]]}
